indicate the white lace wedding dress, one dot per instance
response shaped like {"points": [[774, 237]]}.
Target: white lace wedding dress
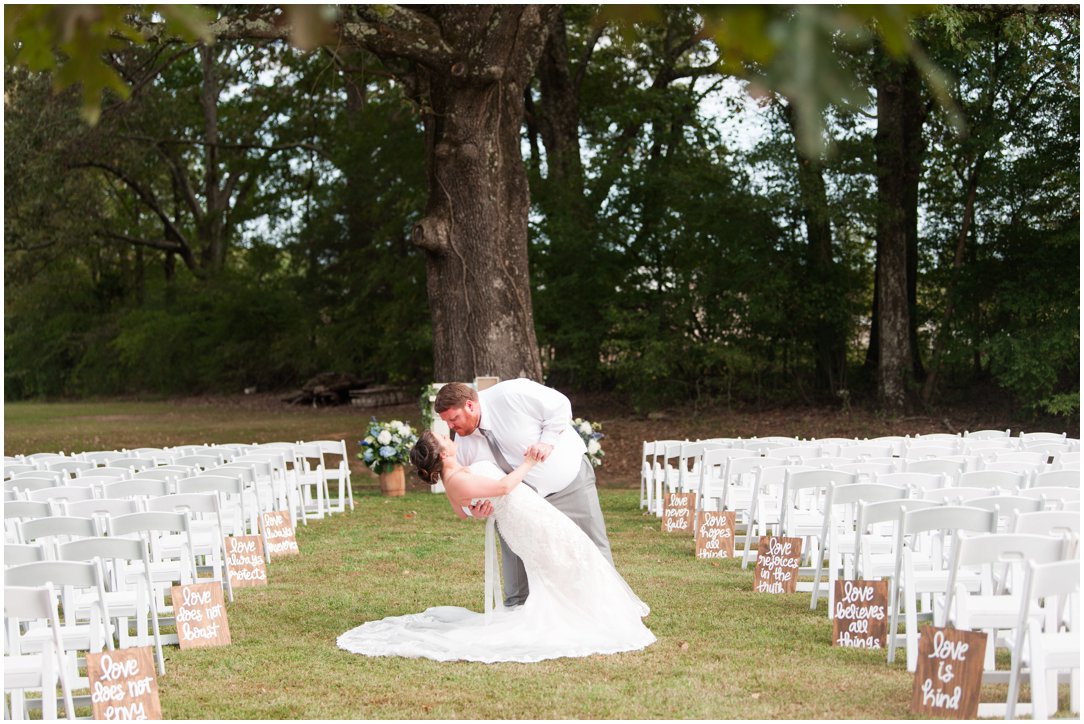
{"points": [[578, 604]]}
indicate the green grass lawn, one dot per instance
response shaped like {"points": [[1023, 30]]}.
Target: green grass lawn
{"points": [[722, 651]]}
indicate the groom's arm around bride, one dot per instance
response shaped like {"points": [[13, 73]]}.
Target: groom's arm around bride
{"points": [[510, 420]]}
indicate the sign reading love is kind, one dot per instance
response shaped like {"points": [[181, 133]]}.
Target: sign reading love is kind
{"points": [[677, 512], [949, 673], [281, 537], [860, 614], [244, 556], [778, 559], [123, 684], [201, 615], [715, 534]]}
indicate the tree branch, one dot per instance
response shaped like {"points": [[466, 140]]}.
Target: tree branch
{"points": [[145, 195]]}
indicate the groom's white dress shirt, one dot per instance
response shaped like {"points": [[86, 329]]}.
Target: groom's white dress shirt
{"points": [[520, 413]]}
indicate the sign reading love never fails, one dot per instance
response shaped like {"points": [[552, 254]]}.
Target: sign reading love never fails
{"points": [[677, 512]]}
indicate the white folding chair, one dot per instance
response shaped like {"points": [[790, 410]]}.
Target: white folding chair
{"points": [[11, 469], [16, 554], [208, 533], [129, 591], [1007, 507], [21, 487], [922, 566], [936, 466], [203, 462], [102, 457], [70, 468], [765, 504], [56, 529], [1066, 461], [311, 481], [42, 671], [955, 495], [713, 471], [102, 509], [111, 471], [277, 481], [798, 454], [1050, 642], [1053, 497], [16, 511], [803, 510], [1056, 479], [987, 434], [867, 450], [337, 472], [996, 479], [898, 442], [61, 495], [137, 489]]}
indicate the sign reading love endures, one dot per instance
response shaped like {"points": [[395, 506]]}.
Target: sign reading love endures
{"points": [[281, 538], [777, 565], [860, 614], [715, 534], [123, 684], [200, 611], [244, 556], [677, 512], [949, 673]]}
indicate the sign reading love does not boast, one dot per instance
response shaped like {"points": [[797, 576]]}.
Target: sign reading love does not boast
{"points": [[281, 537], [244, 554], [201, 615], [715, 534], [677, 512], [949, 673], [778, 559], [123, 684], [860, 614]]}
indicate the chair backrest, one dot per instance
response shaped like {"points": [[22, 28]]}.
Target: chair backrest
{"points": [[65, 526], [136, 488], [864, 492], [222, 483], [987, 434], [1014, 466], [882, 512], [16, 554], [103, 507], [67, 493], [89, 480], [13, 468], [914, 481], [55, 475], [158, 474], [936, 438], [1026, 437], [868, 470], [955, 495], [128, 549], [191, 502], [925, 452], [48, 457], [158, 521], [795, 452], [26, 485], [1052, 494], [1056, 478], [26, 509], [1066, 461], [245, 472], [947, 518], [102, 457], [1048, 522], [70, 466], [115, 472], [898, 442], [1006, 505], [135, 464], [57, 573], [1019, 456], [1001, 479], [951, 468], [200, 461], [867, 450]]}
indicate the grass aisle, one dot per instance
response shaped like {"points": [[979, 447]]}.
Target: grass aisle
{"points": [[723, 652]]}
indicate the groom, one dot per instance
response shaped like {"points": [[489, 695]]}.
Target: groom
{"points": [[505, 423]]}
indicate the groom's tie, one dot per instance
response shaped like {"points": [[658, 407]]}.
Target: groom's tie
{"points": [[498, 457]]}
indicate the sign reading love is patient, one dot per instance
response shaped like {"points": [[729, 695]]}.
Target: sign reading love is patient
{"points": [[244, 556], [281, 537], [677, 512], [949, 672], [860, 614], [777, 565], [123, 684], [201, 615], [715, 534]]}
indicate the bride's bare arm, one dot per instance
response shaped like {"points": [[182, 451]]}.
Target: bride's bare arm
{"points": [[466, 485]]}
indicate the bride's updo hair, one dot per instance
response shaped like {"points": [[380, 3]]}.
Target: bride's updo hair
{"points": [[425, 457]]}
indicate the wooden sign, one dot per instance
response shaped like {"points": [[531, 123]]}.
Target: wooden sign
{"points": [[777, 565], [123, 684], [715, 534], [201, 615], [244, 554], [677, 512], [281, 538], [485, 382], [860, 616], [949, 673]]}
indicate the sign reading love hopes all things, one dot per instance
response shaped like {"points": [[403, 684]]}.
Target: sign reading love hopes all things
{"points": [[123, 684], [949, 672], [201, 615], [244, 556], [715, 534], [677, 512], [280, 534], [860, 614], [777, 565]]}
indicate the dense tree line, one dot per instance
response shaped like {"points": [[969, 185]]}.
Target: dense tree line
{"points": [[254, 213]]}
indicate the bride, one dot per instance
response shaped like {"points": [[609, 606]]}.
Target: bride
{"points": [[578, 605]]}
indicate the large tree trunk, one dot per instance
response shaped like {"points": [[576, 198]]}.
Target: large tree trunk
{"points": [[899, 112], [475, 227]]}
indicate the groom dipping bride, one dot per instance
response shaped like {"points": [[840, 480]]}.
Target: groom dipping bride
{"points": [[518, 457]]}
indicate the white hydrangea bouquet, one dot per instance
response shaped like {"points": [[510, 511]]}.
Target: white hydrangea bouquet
{"points": [[591, 432], [387, 445]]}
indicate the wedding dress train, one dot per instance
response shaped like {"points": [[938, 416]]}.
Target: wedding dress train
{"points": [[578, 604]]}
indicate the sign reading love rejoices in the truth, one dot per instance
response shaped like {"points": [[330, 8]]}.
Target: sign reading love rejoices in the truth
{"points": [[715, 534], [949, 673], [860, 614], [677, 512], [123, 684], [201, 615], [777, 565], [281, 537]]}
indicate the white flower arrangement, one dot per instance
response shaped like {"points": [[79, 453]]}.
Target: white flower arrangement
{"points": [[591, 432], [387, 445]]}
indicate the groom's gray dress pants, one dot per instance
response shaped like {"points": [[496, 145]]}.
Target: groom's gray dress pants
{"points": [[579, 501]]}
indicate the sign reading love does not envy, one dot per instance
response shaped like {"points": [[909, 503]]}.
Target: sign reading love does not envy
{"points": [[778, 559], [244, 555], [715, 534], [860, 614], [200, 611], [949, 673], [677, 512], [281, 537], [123, 684]]}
